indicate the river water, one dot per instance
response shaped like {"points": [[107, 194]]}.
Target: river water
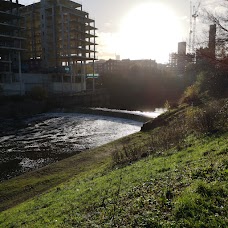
{"points": [[48, 138]]}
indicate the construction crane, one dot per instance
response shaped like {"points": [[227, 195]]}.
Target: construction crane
{"points": [[192, 33]]}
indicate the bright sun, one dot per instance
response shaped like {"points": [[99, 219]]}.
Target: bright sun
{"points": [[149, 31]]}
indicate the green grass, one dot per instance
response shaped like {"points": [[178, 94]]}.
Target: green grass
{"points": [[186, 188], [30, 184]]}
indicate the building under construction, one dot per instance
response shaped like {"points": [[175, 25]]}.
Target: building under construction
{"points": [[179, 61], [58, 33], [10, 44], [60, 39], [45, 44]]}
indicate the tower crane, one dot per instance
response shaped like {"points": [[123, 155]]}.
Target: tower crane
{"points": [[192, 34], [190, 31]]}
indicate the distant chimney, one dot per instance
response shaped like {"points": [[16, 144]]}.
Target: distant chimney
{"points": [[212, 36], [182, 48]]}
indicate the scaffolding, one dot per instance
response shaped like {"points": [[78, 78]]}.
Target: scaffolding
{"points": [[10, 41], [180, 60]]}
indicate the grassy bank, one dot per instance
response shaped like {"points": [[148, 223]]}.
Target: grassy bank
{"points": [[169, 176], [23, 187]]}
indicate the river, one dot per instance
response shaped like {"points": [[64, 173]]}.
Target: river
{"points": [[51, 137], [48, 138]]}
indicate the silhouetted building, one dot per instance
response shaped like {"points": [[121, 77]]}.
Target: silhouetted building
{"points": [[111, 66], [179, 61], [123, 66], [208, 54], [10, 44]]}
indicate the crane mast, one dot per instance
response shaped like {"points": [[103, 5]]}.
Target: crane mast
{"points": [[190, 31], [192, 34]]}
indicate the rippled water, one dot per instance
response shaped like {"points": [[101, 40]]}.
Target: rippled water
{"points": [[55, 136]]}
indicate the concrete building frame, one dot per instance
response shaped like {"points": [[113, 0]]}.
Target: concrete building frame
{"points": [[61, 38], [10, 44]]}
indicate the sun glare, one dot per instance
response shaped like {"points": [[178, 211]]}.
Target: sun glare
{"points": [[149, 31]]}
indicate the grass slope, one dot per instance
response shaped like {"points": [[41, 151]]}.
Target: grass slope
{"points": [[183, 186], [28, 185]]}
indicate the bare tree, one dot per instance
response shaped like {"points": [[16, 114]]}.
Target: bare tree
{"points": [[218, 15]]}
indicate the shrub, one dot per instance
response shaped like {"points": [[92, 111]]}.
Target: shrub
{"points": [[127, 154], [162, 139], [167, 137], [213, 83], [191, 95], [204, 120]]}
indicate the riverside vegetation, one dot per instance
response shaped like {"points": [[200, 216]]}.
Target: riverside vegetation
{"points": [[174, 173]]}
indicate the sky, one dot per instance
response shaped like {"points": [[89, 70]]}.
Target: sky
{"points": [[138, 29]]}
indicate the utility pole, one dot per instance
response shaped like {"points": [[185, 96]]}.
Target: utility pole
{"points": [[93, 76]]}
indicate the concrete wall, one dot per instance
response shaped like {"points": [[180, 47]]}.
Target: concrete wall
{"points": [[33, 80], [36, 78], [29, 81], [14, 88], [64, 88]]}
